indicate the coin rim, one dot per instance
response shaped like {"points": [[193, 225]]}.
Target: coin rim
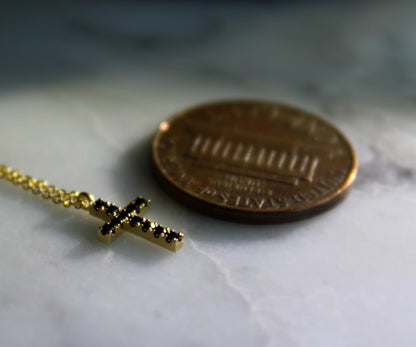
{"points": [[243, 213]]}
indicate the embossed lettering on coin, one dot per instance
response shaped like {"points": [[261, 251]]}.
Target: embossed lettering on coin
{"points": [[254, 161]]}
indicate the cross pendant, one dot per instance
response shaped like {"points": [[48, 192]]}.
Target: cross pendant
{"points": [[127, 219]]}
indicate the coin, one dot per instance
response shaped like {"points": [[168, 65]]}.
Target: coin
{"points": [[254, 161]]}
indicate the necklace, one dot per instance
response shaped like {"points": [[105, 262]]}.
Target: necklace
{"points": [[117, 220]]}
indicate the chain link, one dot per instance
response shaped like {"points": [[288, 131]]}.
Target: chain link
{"points": [[47, 191]]}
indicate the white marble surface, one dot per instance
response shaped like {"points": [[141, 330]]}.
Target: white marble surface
{"points": [[83, 88]]}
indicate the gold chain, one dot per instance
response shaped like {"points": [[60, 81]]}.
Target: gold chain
{"points": [[47, 191], [117, 219]]}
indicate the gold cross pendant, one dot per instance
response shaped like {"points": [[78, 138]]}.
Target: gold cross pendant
{"points": [[117, 220], [128, 219]]}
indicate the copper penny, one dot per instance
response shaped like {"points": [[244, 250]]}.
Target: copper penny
{"points": [[254, 161]]}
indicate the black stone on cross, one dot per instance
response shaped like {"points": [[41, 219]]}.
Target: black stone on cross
{"points": [[129, 219]]}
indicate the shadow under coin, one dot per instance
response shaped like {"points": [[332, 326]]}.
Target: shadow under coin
{"points": [[133, 172]]}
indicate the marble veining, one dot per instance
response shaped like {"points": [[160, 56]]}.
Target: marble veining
{"points": [[82, 90]]}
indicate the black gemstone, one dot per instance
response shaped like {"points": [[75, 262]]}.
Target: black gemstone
{"points": [[123, 214], [131, 208], [112, 210], [107, 229], [141, 201], [147, 225], [136, 205], [117, 221], [135, 221], [99, 205], [159, 231], [171, 236]]}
